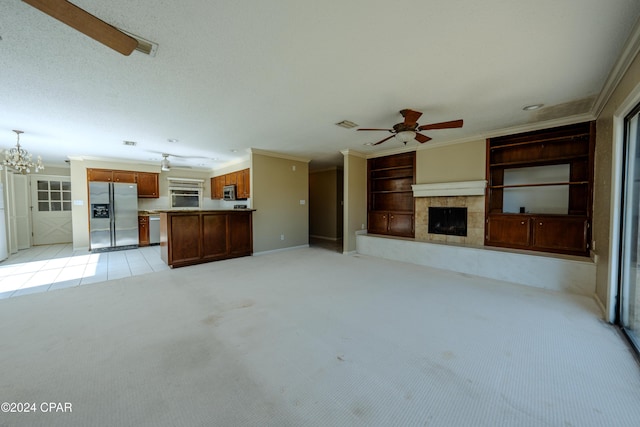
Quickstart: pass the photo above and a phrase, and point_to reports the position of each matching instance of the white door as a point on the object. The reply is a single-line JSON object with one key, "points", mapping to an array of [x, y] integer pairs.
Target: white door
{"points": [[51, 213], [22, 220]]}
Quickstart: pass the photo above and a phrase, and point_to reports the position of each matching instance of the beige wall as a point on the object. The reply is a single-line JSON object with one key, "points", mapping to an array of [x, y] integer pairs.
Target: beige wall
{"points": [[355, 198], [277, 190], [324, 204], [606, 144], [457, 162]]}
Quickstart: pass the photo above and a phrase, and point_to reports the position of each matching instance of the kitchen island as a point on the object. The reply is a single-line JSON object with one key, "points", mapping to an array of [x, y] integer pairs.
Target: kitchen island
{"points": [[196, 236]]}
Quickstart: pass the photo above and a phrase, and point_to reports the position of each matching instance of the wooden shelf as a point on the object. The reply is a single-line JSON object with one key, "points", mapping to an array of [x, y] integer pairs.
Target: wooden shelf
{"points": [[392, 177], [391, 168], [390, 191], [390, 201], [554, 160], [546, 184], [570, 145], [540, 141]]}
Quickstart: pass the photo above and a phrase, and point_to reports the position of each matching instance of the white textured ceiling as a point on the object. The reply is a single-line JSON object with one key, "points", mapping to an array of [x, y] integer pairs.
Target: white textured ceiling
{"points": [[277, 75]]}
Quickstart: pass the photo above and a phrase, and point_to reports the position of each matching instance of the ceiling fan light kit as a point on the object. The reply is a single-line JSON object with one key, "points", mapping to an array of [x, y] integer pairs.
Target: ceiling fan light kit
{"points": [[409, 129], [165, 166]]}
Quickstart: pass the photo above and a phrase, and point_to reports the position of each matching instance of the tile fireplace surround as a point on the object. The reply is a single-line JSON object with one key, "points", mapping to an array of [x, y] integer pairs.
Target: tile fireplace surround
{"points": [[467, 194]]}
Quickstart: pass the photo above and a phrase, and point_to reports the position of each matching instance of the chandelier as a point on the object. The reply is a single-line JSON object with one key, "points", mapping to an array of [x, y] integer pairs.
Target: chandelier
{"points": [[20, 159]]}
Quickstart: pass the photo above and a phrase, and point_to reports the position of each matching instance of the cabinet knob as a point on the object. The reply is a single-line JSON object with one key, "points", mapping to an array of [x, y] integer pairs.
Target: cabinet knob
{"points": [[391, 216], [522, 222], [540, 223]]}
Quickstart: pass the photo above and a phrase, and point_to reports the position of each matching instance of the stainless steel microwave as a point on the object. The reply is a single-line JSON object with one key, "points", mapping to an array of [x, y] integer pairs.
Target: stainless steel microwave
{"points": [[229, 192]]}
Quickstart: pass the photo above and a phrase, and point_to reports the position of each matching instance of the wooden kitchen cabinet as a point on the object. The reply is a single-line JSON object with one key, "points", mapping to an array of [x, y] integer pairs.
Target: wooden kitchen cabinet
{"points": [[241, 179], [128, 177], [217, 186], [148, 185], [193, 237], [214, 235], [143, 230], [243, 184], [103, 175], [240, 234]]}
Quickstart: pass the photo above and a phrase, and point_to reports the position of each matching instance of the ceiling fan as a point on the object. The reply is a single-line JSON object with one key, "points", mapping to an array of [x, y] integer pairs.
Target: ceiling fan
{"points": [[409, 128], [165, 164], [86, 23]]}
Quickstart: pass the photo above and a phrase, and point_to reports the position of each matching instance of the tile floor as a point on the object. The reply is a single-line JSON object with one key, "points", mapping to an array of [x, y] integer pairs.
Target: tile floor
{"points": [[50, 267]]}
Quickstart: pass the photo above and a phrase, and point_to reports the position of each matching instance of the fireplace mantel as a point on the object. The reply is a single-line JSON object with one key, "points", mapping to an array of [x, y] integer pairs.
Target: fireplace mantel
{"points": [[459, 188]]}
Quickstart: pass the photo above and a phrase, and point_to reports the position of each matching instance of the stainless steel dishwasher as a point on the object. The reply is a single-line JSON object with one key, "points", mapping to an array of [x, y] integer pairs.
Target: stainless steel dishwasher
{"points": [[154, 229]]}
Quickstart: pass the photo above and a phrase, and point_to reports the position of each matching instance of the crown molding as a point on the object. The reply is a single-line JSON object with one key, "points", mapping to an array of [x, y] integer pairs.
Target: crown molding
{"points": [[353, 153], [629, 53], [278, 155]]}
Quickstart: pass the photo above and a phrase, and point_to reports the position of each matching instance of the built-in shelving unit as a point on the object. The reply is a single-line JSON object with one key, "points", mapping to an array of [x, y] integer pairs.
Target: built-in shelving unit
{"points": [[390, 196], [558, 220]]}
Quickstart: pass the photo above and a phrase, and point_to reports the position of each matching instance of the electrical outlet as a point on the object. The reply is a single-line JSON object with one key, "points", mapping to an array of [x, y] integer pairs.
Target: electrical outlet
{"points": [[302, 202], [282, 237], [362, 227]]}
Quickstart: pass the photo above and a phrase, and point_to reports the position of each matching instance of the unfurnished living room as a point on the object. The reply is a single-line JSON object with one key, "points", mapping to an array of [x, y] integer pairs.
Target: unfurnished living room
{"points": [[411, 213]]}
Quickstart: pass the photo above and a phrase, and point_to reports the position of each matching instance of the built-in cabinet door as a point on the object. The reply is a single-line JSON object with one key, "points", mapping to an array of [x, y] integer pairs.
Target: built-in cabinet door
{"points": [[102, 175], [148, 185], [569, 234], [401, 224], [508, 230], [378, 222], [185, 238], [143, 230], [128, 177], [214, 235], [240, 234]]}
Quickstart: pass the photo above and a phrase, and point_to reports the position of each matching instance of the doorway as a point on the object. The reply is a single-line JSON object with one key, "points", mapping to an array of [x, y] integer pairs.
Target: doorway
{"points": [[51, 209], [628, 312]]}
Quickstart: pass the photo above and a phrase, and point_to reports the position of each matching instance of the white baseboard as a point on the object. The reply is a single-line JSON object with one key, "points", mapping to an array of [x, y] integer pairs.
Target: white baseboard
{"points": [[279, 250]]}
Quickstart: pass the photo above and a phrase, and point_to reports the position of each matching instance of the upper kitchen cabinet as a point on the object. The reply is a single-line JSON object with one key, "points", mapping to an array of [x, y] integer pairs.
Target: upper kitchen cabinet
{"points": [[240, 179], [217, 186], [147, 182], [148, 186], [243, 184]]}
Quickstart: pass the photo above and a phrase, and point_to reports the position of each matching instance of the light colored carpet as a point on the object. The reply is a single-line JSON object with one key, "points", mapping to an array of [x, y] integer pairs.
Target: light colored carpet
{"points": [[311, 337]]}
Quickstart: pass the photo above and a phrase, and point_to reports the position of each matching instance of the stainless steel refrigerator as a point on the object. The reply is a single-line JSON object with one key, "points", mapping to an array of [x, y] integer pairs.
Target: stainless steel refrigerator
{"points": [[113, 212]]}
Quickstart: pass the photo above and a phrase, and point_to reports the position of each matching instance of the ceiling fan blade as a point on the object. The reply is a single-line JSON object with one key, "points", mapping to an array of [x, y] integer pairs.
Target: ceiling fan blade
{"points": [[442, 125], [87, 24], [410, 116], [422, 138], [380, 142], [388, 130]]}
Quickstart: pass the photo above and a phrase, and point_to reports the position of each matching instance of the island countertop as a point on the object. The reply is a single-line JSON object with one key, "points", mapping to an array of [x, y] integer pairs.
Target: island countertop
{"points": [[158, 211], [195, 236]]}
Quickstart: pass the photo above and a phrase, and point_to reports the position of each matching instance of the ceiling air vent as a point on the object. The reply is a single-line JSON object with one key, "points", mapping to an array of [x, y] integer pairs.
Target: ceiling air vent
{"points": [[346, 124], [130, 143]]}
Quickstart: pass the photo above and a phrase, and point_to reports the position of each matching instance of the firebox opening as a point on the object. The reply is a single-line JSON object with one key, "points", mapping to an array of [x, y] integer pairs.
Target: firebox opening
{"points": [[451, 221]]}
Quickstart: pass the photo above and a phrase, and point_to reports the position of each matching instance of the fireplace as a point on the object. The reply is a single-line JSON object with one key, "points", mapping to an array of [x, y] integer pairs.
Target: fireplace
{"points": [[448, 220]]}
